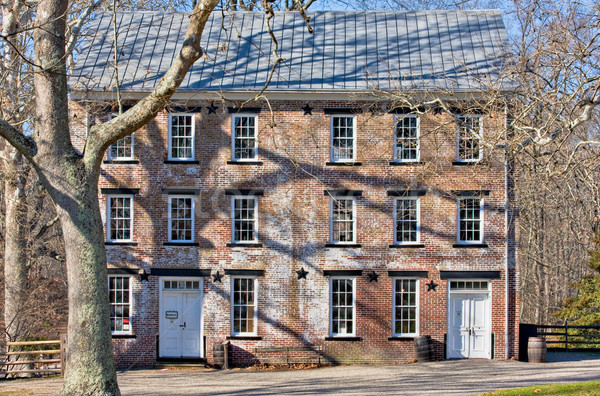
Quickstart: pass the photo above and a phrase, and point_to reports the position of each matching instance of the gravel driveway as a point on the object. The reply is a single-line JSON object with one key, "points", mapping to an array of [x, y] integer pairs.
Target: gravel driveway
{"points": [[455, 377]]}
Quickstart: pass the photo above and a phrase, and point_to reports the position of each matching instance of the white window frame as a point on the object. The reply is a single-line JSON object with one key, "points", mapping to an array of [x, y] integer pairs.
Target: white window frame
{"points": [[170, 143], [331, 280], [396, 307], [332, 156], [110, 156], [109, 217], [255, 305], [234, 137], [397, 119], [332, 200], [130, 299], [396, 220], [459, 120], [193, 207], [481, 221], [247, 197]]}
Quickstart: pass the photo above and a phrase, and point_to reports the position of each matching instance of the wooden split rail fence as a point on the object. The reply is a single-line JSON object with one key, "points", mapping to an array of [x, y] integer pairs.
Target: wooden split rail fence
{"points": [[570, 337], [33, 358]]}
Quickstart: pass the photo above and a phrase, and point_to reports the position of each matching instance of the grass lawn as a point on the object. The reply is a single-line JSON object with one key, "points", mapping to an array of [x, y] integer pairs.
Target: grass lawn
{"points": [[591, 388]]}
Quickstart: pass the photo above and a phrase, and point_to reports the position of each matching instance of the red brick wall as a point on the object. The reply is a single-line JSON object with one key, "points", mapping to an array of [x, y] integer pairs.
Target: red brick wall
{"points": [[294, 228]]}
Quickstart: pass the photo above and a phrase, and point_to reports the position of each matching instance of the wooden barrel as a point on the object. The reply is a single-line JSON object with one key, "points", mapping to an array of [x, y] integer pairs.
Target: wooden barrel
{"points": [[424, 348], [536, 350], [219, 354]]}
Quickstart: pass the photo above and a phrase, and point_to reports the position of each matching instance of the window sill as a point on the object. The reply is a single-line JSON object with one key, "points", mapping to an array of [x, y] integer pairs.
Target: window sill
{"points": [[244, 338], [180, 244], [182, 162], [121, 162], [244, 162], [343, 163], [115, 243], [343, 245], [406, 163], [402, 338], [465, 163], [343, 339], [244, 245], [124, 336], [470, 245], [407, 246]]}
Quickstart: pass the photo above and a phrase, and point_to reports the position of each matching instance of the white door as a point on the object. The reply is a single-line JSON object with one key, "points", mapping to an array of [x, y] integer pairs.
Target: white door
{"points": [[180, 323], [468, 326]]}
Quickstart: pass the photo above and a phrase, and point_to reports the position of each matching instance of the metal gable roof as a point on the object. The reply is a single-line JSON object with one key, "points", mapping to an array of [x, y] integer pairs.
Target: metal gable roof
{"points": [[348, 51]]}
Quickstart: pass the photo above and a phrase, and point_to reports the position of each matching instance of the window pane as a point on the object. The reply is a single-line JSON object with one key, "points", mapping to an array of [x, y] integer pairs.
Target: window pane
{"points": [[342, 138], [244, 305], [342, 306], [182, 137], [245, 139], [405, 306], [119, 300], [469, 135], [244, 219], [407, 139]]}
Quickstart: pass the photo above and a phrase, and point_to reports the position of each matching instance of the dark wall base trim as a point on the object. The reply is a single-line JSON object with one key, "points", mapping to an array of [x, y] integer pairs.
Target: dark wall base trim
{"points": [[244, 338], [469, 274], [408, 246], [419, 274], [246, 272], [410, 338], [180, 272], [342, 273], [470, 245], [343, 339]]}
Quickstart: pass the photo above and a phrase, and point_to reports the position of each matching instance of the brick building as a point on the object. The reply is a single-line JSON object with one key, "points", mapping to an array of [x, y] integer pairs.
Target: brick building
{"points": [[328, 215]]}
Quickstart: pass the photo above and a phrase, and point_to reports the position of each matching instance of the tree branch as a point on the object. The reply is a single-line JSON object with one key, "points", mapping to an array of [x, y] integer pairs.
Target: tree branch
{"points": [[102, 136], [76, 29], [24, 144]]}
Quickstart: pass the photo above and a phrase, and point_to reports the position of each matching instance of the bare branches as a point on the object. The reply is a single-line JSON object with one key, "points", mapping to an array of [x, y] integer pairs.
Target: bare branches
{"points": [[24, 144], [75, 29]]}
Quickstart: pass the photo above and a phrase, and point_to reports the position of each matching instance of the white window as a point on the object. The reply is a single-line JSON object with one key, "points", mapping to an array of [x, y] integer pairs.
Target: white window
{"points": [[119, 223], [470, 220], [243, 306], [468, 138], [406, 307], [122, 149], [406, 148], [342, 220], [406, 217], [244, 138], [343, 307], [181, 219], [119, 291], [244, 219], [343, 139], [181, 137]]}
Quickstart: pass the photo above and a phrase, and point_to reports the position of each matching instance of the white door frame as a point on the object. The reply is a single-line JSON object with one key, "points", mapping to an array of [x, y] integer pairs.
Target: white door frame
{"points": [[161, 280], [488, 318]]}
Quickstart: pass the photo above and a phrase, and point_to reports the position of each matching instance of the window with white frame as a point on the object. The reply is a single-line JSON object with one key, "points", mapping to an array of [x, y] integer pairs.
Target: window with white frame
{"points": [[244, 135], [119, 291], [343, 138], [244, 219], [406, 307], [243, 306], [181, 137], [119, 223], [406, 148], [342, 220], [181, 218], [406, 216], [468, 138], [122, 149], [470, 220], [343, 307]]}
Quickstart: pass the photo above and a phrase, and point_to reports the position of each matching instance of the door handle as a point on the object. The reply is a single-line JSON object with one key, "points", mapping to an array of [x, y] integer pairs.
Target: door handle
{"points": [[183, 325], [469, 331]]}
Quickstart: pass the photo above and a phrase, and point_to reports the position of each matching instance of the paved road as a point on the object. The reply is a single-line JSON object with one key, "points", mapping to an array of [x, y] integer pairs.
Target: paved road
{"points": [[463, 377]]}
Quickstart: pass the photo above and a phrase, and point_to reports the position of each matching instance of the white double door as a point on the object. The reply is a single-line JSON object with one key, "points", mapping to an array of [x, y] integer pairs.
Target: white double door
{"points": [[180, 324], [469, 326]]}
